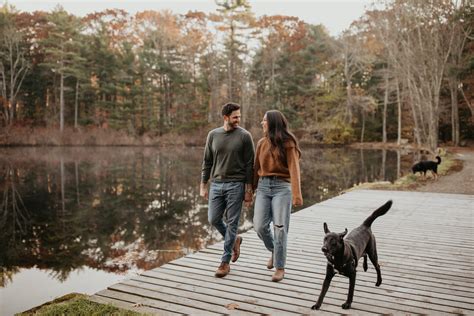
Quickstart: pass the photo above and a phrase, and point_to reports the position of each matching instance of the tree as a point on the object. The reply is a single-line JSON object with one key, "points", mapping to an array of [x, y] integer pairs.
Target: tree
{"points": [[162, 56], [62, 49], [419, 52], [235, 21], [457, 63], [356, 60], [273, 70], [292, 69], [14, 65]]}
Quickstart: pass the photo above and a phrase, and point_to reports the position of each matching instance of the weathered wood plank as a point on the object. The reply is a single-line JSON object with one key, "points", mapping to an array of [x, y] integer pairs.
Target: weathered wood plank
{"points": [[218, 299], [425, 249], [319, 275], [419, 265], [295, 296], [238, 293], [151, 296], [301, 288]]}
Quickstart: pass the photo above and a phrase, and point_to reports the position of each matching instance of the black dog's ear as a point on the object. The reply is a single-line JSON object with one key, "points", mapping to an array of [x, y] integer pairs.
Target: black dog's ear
{"points": [[343, 234], [326, 229]]}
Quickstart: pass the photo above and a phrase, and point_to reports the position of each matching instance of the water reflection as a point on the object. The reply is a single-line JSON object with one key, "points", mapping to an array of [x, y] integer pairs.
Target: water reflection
{"points": [[326, 172], [113, 209], [121, 209]]}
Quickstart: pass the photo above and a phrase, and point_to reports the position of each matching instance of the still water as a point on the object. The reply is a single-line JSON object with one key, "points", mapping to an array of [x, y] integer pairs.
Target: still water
{"points": [[82, 218]]}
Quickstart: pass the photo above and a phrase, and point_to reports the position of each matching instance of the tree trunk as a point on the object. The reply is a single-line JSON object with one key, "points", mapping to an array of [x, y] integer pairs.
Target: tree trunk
{"points": [[385, 102], [399, 104], [61, 104], [434, 125], [348, 92], [12, 109], [12, 90], [162, 107], [416, 127], [12, 105], [384, 162], [363, 127], [453, 89], [349, 103], [76, 105], [398, 163]]}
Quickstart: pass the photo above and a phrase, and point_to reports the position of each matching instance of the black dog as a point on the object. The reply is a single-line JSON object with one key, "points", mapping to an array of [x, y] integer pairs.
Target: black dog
{"points": [[343, 254], [426, 165]]}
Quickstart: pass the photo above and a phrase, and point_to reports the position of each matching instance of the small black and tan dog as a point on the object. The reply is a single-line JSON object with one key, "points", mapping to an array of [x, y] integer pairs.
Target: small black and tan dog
{"points": [[343, 254], [425, 165]]}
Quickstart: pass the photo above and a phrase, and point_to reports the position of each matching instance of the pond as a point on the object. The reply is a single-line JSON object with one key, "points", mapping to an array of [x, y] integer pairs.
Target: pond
{"points": [[79, 219]]}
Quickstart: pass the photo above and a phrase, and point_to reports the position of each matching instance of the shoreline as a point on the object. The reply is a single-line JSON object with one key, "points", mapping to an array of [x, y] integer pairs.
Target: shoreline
{"points": [[456, 176], [21, 136]]}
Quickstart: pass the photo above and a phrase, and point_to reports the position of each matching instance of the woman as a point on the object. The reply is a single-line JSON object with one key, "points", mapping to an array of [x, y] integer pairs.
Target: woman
{"points": [[277, 177]]}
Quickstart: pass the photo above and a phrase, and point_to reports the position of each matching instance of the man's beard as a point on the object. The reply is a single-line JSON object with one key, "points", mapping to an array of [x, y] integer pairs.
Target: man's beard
{"points": [[232, 125]]}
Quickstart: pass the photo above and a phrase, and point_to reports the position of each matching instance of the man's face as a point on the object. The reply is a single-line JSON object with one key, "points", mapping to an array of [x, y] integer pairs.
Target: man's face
{"points": [[233, 120]]}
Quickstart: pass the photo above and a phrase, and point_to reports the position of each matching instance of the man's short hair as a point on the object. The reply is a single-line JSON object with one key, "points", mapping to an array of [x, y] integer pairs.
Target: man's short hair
{"points": [[228, 108]]}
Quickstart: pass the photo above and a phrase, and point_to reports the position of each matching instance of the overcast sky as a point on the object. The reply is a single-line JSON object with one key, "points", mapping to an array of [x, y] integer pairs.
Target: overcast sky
{"points": [[336, 15]]}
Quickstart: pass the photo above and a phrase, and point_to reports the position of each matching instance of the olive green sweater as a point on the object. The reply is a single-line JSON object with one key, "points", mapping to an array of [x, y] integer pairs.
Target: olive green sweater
{"points": [[228, 156]]}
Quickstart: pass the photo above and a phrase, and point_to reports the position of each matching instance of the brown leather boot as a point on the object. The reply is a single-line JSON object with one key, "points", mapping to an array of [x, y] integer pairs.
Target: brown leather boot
{"points": [[223, 270], [278, 275], [236, 250], [270, 262]]}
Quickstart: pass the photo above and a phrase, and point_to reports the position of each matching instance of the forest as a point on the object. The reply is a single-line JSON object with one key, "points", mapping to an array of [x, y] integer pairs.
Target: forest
{"points": [[401, 73]]}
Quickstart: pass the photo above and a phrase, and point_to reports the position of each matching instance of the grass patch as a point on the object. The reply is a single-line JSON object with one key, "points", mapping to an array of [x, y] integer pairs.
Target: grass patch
{"points": [[77, 305], [410, 182]]}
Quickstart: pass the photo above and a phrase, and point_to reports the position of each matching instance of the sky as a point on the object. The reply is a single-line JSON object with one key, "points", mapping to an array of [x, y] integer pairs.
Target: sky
{"points": [[335, 15]]}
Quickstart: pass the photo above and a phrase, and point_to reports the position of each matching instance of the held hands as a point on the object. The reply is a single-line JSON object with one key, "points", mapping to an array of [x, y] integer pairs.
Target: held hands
{"points": [[248, 198]]}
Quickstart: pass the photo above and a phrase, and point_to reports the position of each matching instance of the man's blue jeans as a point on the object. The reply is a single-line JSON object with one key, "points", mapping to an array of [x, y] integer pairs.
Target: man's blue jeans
{"points": [[273, 204], [226, 197]]}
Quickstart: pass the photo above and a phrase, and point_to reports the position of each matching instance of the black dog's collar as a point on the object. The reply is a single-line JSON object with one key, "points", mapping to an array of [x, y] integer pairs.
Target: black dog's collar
{"points": [[353, 262]]}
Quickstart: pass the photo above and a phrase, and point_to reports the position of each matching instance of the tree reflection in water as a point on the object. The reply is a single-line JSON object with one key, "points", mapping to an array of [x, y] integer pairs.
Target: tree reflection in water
{"points": [[117, 209]]}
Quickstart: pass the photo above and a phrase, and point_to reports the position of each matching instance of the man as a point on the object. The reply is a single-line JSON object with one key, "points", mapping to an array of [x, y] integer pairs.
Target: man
{"points": [[228, 164]]}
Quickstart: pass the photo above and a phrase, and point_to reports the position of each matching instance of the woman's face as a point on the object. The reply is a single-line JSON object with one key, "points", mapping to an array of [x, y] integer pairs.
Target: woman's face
{"points": [[264, 124]]}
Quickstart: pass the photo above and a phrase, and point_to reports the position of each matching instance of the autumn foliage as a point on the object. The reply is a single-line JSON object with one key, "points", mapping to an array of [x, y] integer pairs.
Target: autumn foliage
{"points": [[401, 72]]}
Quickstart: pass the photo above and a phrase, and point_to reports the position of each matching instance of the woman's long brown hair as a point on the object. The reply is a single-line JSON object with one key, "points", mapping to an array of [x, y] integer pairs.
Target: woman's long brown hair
{"points": [[279, 134]]}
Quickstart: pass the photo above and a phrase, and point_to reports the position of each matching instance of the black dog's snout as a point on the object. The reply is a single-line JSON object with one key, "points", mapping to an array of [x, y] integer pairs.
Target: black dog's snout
{"points": [[324, 249]]}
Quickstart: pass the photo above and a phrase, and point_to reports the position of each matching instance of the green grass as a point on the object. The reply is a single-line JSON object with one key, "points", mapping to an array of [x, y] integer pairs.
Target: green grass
{"points": [[76, 305]]}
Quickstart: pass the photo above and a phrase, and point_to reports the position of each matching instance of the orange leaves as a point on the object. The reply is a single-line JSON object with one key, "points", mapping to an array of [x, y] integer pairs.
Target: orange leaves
{"points": [[279, 29]]}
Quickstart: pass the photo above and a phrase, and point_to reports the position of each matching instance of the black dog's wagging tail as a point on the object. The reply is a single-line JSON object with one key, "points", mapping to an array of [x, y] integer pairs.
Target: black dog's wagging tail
{"points": [[439, 159], [378, 212]]}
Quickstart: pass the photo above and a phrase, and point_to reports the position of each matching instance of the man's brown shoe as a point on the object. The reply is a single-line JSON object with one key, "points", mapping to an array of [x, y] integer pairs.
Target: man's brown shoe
{"points": [[270, 262], [223, 270], [278, 275], [236, 250]]}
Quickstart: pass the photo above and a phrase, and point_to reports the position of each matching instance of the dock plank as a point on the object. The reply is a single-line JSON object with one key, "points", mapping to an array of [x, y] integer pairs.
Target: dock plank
{"points": [[425, 250]]}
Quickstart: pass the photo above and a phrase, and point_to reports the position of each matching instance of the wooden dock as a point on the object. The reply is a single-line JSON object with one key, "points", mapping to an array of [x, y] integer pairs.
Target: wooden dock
{"points": [[426, 252]]}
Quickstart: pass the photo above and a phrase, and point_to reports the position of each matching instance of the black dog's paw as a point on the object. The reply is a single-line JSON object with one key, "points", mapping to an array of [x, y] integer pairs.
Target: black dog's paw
{"points": [[346, 305], [379, 281], [316, 306]]}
